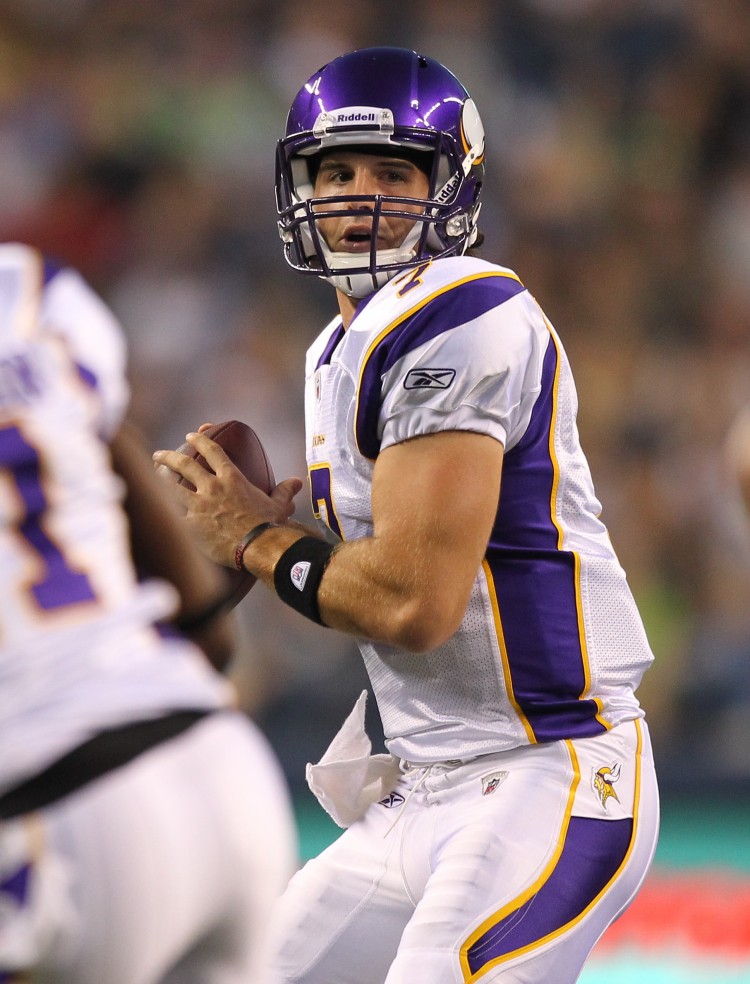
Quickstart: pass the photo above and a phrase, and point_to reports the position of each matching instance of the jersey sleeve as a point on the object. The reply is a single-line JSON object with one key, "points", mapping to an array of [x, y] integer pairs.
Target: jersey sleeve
{"points": [[470, 359], [73, 311]]}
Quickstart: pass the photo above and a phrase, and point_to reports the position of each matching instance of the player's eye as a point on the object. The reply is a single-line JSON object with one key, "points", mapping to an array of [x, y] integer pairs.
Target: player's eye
{"points": [[338, 175]]}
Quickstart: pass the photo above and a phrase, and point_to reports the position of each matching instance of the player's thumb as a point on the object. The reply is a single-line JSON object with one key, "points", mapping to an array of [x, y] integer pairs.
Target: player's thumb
{"points": [[285, 492]]}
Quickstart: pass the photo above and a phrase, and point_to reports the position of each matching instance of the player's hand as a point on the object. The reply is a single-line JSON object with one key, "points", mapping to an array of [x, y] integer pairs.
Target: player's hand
{"points": [[224, 505]]}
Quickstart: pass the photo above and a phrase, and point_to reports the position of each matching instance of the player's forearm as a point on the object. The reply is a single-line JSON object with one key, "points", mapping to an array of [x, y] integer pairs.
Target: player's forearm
{"points": [[365, 593]]}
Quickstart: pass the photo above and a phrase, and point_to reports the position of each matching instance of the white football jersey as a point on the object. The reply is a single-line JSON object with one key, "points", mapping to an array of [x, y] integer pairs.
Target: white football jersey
{"points": [[551, 645], [79, 652]]}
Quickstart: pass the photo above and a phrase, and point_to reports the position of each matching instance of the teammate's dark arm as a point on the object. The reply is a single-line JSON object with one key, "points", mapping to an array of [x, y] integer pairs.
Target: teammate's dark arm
{"points": [[163, 547]]}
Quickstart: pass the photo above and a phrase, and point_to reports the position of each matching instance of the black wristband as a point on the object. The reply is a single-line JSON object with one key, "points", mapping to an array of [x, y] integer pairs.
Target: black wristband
{"points": [[298, 573]]}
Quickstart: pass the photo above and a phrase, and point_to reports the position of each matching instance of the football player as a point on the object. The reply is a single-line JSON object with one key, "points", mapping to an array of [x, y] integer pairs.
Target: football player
{"points": [[145, 828], [516, 812]]}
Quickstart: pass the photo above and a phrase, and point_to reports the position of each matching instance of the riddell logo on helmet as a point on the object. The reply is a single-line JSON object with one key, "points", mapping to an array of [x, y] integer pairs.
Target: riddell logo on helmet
{"points": [[352, 117], [447, 190], [355, 117]]}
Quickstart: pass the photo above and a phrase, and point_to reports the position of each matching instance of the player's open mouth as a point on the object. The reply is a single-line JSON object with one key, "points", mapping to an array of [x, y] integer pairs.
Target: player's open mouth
{"points": [[356, 239]]}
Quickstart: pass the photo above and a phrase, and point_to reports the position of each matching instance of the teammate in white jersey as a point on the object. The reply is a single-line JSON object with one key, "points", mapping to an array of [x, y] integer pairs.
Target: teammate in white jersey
{"points": [[516, 812], [145, 829]]}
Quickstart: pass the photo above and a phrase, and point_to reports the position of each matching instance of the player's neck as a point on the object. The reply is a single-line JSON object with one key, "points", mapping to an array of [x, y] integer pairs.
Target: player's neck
{"points": [[347, 307]]}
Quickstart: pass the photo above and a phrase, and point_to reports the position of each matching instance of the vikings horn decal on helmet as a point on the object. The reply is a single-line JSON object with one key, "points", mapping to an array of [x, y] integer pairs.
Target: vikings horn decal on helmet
{"points": [[409, 105]]}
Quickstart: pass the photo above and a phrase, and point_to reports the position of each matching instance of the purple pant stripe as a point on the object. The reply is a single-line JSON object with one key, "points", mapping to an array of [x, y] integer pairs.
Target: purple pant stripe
{"points": [[593, 851]]}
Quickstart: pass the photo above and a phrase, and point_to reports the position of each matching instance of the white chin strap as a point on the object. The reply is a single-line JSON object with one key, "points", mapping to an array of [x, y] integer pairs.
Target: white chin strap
{"points": [[364, 283]]}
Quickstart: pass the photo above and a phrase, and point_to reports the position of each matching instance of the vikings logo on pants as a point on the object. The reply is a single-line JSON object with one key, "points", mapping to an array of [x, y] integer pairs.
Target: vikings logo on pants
{"points": [[604, 780]]}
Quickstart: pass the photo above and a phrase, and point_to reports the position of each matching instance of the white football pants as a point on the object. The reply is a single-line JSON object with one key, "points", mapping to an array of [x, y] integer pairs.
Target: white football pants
{"points": [[164, 870], [507, 868]]}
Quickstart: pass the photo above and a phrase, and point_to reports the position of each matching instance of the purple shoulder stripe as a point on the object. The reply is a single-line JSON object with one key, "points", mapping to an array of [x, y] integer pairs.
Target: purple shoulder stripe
{"points": [[524, 519], [446, 309], [535, 583]]}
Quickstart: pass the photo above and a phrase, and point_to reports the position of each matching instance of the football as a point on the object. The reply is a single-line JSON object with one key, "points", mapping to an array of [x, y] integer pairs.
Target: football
{"points": [[243, 448]]}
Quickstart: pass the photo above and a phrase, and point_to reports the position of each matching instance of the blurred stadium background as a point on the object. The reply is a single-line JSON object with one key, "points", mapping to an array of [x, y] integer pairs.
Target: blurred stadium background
{"points": [[137, 142]]}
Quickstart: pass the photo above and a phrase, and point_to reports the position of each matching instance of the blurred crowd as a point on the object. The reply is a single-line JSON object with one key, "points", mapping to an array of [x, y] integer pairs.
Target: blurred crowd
{"points": [[137, 143]]}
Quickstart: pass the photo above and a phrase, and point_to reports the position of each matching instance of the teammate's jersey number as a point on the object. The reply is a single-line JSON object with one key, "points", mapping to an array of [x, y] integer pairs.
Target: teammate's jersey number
{"points": [[60, 584], [321, 482]]}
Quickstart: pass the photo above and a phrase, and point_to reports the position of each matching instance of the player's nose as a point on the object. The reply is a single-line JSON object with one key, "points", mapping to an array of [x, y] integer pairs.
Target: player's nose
{"points": [[363, 183]]}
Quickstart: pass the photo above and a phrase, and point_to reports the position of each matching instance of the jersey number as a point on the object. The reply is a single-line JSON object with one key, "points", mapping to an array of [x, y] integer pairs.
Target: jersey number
{"points": [[322, 497], [60, 584], [413, 278]]}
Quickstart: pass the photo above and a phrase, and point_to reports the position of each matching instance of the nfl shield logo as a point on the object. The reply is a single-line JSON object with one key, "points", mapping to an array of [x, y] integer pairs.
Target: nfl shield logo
{"points": [[492, 781]]}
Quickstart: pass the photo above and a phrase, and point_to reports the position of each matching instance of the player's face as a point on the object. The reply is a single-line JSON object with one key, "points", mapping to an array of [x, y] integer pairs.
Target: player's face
{"points": [[347, 172]]}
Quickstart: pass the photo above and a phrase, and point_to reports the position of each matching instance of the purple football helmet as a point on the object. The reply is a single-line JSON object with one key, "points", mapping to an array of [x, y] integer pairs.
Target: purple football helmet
{"points": [[390, 98]]}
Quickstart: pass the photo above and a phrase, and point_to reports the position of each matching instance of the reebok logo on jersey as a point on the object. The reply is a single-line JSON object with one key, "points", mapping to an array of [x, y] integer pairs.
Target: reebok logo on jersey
{"points": [[492, 781], [299, 574], [437, 379]]}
